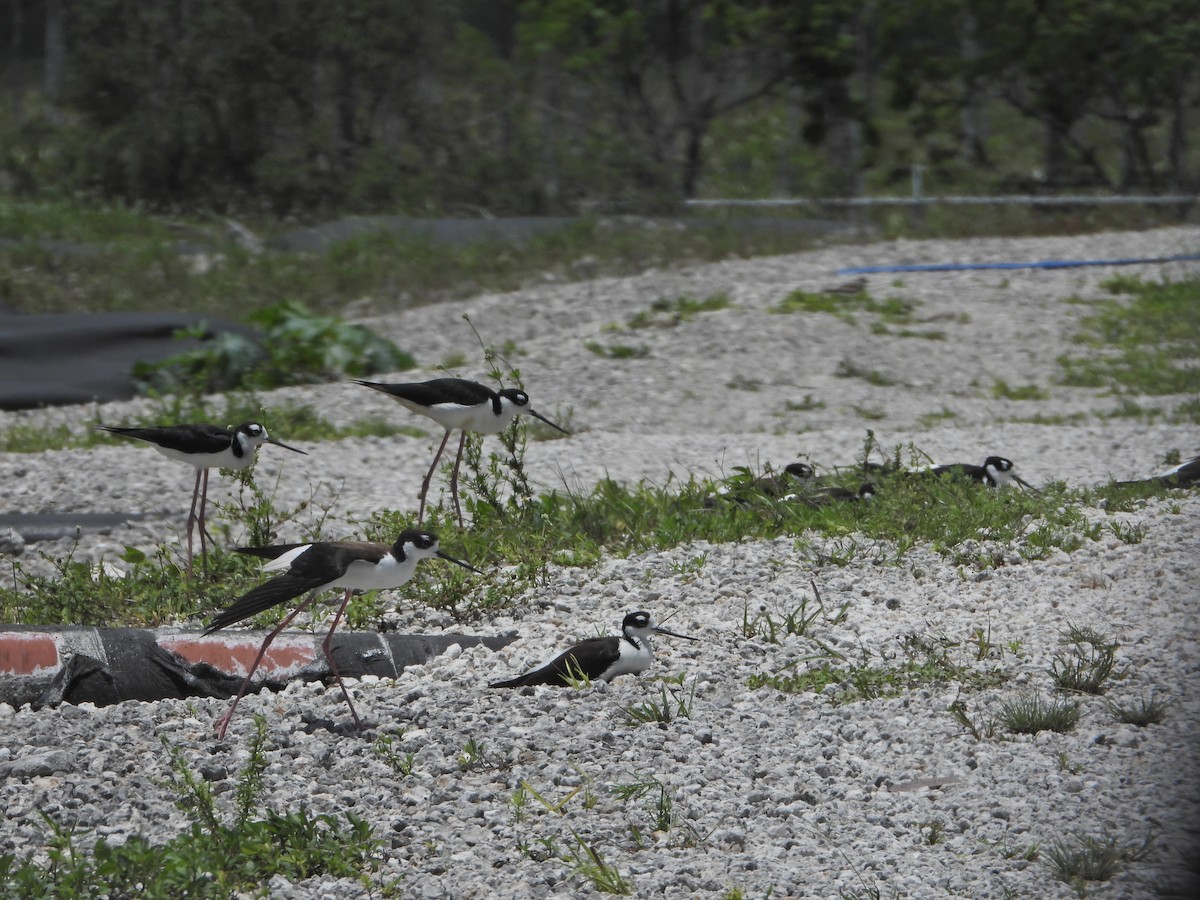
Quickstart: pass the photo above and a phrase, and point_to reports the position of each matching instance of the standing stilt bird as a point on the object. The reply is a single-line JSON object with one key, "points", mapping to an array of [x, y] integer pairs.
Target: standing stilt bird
{"points": [[318, 567], [458, 404], [600, 658], [205, 447]]}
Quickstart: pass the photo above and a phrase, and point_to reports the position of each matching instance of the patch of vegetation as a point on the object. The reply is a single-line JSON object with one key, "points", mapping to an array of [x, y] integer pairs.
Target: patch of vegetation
{"points": [[1145, 711], [929, 420], [673, 703], [892, 310], [1001, 390], [590, 865], [847, 368], [297, 347], [925, 661], [1144, 346], [616, 351], [665, 313], [213, 858], [1091, 859], [518, 533], [1086, 663], [130, 260], [1030, 713]]}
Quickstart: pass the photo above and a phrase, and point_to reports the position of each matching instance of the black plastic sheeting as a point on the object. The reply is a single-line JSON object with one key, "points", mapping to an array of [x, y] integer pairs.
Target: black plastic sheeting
{"points": [[138, 668], [56, 359]]}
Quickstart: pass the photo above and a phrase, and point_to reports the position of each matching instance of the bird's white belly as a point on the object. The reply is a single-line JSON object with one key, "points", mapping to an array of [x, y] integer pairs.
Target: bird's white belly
{"points": [[222, 460], [389, 572], [468, 418], [630, 662]]}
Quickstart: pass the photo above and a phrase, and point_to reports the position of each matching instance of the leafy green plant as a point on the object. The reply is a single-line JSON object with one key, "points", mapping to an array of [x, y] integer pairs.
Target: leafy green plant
{"points": [[672, 703], [385, 748], [296, 347], [1086, 663], [588, 863], [797, 621]]}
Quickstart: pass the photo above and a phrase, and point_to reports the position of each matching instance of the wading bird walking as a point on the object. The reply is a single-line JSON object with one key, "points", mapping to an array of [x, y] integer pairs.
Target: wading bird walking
{"points": [[318, 567], [458, 404], [205, 447]]}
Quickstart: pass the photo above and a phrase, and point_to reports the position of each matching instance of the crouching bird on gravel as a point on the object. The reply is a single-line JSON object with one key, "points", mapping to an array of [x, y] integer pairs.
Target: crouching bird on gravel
{"points": [[322, 566], [600, 658], [458, 404]]}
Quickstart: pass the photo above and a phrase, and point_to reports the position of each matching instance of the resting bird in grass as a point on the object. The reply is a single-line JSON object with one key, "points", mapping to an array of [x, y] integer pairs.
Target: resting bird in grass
{"points": [[996, 471]]}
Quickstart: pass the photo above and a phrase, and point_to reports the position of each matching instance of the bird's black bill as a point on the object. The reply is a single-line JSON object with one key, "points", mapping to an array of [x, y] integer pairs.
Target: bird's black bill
{"points": [[660, 630], [1023, 483], [459, 562], [286, 447], [538, 415]]}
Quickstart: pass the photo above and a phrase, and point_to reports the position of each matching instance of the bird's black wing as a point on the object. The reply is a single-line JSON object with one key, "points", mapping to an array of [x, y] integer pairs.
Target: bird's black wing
{"points": [[201, 438], [278, 590], [438, 390], [559, 671]]}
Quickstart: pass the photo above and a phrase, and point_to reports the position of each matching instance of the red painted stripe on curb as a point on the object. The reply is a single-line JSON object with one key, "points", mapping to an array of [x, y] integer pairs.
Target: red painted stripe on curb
{"points": [[285, 657], [30, 653]]}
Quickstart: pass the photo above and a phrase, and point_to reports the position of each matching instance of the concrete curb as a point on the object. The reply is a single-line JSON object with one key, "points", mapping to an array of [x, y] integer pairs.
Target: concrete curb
{"points": [[49, 665]]}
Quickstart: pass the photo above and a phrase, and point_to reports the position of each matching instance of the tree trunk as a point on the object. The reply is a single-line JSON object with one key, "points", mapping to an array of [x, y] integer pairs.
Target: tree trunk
{"points": [[55, 64]]}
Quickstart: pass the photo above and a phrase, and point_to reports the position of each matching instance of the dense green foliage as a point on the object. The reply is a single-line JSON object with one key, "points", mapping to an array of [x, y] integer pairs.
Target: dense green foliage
{"points": [[530, 106]]}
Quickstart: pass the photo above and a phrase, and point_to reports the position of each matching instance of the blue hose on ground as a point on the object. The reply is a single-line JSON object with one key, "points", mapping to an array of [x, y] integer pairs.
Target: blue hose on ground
{"points": [[1043, 264]]}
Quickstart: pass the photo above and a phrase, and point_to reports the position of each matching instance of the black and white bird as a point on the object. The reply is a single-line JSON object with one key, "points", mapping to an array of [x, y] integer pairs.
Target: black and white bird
{"points": [[458, 404], [996, 471], [322, 566], [775, 485], [836, 494], [205, 447], [600, 658], [1184, 474]]}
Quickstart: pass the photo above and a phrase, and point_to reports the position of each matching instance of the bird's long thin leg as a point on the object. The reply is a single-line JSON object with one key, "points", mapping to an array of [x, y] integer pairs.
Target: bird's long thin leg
{"points": [[191, 519], [224, 723], [429, 476], [203, 530], [462, 441], [326, 646]]}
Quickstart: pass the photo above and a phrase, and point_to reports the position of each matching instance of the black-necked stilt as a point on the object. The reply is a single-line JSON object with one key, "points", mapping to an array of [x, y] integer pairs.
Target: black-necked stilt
{"points": [[775, 485], [854, 286], [458, 404], [600, 658], [205, 447], [794, 476], [837, 494], [996, 471], [318, 567], [1184, 474]]}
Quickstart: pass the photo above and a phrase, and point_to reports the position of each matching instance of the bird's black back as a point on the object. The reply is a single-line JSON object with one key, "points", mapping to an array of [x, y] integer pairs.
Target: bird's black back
{"points": [[590, 657], [199, 438]]}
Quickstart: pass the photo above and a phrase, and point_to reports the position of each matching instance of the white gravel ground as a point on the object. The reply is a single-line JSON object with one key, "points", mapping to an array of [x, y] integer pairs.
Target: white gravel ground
{"points": [[775, 794]]}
